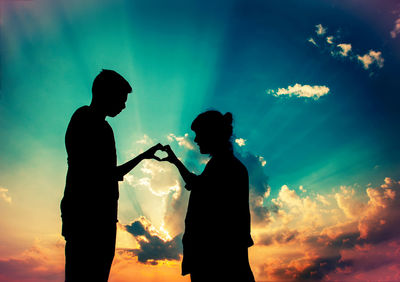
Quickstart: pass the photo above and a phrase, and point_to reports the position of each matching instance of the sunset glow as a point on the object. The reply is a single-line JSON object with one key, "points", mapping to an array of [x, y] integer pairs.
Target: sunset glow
{"points": [[313, 89]]}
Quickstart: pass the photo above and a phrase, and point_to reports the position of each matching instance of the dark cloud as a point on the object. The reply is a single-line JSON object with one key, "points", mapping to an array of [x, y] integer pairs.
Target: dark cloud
{"points": [[258, 185], [258, 180], [329, 259], [322, 266], [152, 247], [28, 268], [283, 237]]}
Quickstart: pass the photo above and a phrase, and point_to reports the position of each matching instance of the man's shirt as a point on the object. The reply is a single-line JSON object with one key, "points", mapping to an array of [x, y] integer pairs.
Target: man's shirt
{"points": [[91, 190]]}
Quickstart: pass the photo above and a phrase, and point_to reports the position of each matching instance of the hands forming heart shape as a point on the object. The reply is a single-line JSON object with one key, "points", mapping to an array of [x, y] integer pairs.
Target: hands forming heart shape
{"points": [[150, 153]]}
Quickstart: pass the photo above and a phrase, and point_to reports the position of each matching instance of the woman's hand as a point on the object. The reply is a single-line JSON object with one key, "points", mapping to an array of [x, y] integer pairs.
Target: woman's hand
{"points": [[171, 157]]}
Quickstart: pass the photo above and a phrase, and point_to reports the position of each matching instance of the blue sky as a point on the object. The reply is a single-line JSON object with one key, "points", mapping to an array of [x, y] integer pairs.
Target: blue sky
{"points": [[183, 58]]}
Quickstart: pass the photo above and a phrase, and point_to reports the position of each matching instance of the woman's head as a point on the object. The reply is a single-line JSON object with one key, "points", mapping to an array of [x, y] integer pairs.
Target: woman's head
{"points": [[213, 132]]}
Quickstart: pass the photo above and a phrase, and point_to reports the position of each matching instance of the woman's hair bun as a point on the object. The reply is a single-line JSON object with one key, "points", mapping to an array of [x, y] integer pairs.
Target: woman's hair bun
{"points": [[228, 118]]}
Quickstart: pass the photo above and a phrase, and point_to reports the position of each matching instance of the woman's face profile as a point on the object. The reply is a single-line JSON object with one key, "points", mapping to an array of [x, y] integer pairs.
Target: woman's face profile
{"points": [[204, 142]]}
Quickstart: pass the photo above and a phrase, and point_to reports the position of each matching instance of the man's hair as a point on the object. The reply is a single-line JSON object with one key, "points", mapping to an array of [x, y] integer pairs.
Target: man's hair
{"points": [[109, 82]]}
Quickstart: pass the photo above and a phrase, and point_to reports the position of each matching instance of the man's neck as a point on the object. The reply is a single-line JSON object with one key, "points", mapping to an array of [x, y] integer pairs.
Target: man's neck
{"points": [[97, 111]]}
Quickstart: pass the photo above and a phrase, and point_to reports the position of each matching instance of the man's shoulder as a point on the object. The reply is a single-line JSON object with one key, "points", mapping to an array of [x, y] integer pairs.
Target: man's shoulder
{"points": [[80, 120], [81, 113]]}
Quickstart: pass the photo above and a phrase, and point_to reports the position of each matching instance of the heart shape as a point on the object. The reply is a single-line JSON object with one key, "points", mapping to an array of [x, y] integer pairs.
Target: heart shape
{"points": [[161, 154]]}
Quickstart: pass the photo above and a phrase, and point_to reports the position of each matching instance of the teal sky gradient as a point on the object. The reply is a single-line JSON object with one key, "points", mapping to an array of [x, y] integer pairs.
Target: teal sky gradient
{"points": [[183, 58]]}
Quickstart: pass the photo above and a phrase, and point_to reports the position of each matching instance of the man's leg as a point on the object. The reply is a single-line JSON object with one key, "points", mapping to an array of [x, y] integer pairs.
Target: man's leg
{"points": [[90, 258], [107, 252], [75, 262]]}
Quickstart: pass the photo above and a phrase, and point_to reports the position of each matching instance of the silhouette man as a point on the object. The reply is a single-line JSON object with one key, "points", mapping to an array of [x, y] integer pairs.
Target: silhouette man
{"points": [[89, 205], [217, 224]]}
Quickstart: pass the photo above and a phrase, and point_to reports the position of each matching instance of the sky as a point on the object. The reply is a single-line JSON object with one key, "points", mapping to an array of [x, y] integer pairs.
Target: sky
{"points": [[313, 89]]}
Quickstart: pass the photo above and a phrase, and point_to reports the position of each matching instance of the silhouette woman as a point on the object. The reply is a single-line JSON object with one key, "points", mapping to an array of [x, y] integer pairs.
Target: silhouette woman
{"points": [[217, 224]]}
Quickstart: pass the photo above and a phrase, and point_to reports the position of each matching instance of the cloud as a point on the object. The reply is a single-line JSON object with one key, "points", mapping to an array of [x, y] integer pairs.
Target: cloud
{"points": [[312, 41], [154, 245], [240, 141], [193, 158], [320, 30], [305, 91], [259, 189], [345, 49], [34, 264], [4, 195], [127, 268], [184, 141], [263, 162], [336, 236], [369, 263], [160, 178], [284, 236], [381, 218], [373, 57], [348, 203], [145, 140], [302, 189], [396, 29], [175, 211]]}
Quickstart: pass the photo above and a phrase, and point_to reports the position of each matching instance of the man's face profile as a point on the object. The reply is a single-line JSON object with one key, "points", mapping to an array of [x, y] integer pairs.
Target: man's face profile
{"points": [[116, 104]]}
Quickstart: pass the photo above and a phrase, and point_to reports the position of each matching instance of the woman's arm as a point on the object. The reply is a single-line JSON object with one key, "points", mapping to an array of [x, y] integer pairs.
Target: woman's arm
{"points": [[187, 176]]}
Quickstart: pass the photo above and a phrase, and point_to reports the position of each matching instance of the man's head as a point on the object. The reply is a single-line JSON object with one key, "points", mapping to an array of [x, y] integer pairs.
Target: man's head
{"points": [[110, 92]]}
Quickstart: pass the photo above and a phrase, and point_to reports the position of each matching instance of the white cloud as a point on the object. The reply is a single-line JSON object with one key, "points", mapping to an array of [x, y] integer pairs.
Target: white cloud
{"points": [[160, 178], [396, 29], [241, 142], [4, 195], [145, 140], [306, 91], [372, 57], [311, 40], [301, 187], [182, 141], [320, 30], [347, 201], [262, 161], [323, 200], [326, 44], [346, 48]]}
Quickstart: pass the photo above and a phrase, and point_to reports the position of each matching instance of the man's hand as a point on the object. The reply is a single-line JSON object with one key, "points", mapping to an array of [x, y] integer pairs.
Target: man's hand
{"points": [[150, 153]]}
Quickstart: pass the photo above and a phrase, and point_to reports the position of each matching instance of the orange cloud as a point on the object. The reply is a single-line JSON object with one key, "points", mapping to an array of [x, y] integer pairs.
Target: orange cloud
{"points": [[309, 239], [381, 219], [41, 262]]}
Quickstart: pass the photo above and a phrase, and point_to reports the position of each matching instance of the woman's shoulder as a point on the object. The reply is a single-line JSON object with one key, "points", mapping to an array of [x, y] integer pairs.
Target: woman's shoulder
{"points": [[232, 163], [238, 165]]}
